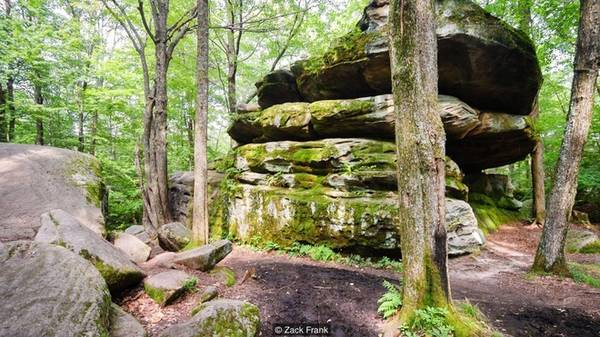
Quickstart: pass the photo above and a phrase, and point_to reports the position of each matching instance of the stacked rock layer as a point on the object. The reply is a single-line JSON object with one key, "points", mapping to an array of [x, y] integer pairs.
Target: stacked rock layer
{"points": [[317, 162]]}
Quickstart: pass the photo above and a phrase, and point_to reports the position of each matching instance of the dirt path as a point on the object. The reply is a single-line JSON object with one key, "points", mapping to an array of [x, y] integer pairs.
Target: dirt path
{"points": [[289, 290]]}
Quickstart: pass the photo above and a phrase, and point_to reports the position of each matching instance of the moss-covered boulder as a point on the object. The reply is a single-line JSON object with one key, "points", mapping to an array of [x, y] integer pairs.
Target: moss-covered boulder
{"points": [[60, 228], [174, 236], [167, 286], [338, 219], [476, 140], [37, 179], [482, 60], [47, 290], [219, 318]]}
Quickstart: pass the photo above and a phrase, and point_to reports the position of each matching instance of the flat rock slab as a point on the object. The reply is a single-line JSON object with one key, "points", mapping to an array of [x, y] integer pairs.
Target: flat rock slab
{"points": [[60, 228], [36, 179], [140, 232], [577, 239], [47, 290], [131, 245], [174, 236], [167, 286], [219, 318], [206, 257], [124, 324]]}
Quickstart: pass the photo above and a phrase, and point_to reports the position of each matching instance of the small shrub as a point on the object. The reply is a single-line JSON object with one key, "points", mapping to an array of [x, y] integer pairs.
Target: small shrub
{"points": [[190, 284], [321, 253], [270, 245], [391, 301]]}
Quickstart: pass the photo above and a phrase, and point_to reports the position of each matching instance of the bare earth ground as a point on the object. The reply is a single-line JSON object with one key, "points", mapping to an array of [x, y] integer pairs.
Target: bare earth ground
{"points": [[294, 290]]}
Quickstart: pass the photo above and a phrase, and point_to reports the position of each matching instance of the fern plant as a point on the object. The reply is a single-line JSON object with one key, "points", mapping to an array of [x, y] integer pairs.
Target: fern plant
{"points": [[429, 321], [391, 301]]}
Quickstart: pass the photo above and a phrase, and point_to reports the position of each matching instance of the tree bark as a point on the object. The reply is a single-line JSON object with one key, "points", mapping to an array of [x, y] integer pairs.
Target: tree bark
{"points": [[550, 256], [233, 49], [420, 140], [39, 122], [81, 118], [538, 185], [3, 113], [200, 222], [10, 97]]}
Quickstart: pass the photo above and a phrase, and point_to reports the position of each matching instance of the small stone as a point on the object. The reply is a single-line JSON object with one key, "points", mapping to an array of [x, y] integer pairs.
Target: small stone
{"points": [[219, 318], [208, 294], [166, 287], [123, 324], [174, 236], [206, 257], [137, 250]]}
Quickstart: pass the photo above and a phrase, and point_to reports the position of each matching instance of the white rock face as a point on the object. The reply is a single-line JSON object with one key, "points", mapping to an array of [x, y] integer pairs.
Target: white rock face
{"points": [[36, 179]]}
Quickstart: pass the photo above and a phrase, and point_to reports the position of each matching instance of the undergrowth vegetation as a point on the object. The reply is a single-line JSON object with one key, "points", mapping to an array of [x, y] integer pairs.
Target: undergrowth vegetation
{"points": [[586, 273], [325, 254]]}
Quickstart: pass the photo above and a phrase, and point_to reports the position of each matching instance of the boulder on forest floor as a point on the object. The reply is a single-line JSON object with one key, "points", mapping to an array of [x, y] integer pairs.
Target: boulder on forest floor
{"points": [[219, 318], [37, 179], [577, 239], [167, 286], [206, 257], [129, 244], [140, 232], [60, 228], [47, 290], [174, 236], [124, 325]]}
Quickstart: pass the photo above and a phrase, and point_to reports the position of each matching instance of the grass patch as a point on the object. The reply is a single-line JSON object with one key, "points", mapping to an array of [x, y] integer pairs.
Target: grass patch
{"points": [[325, 254], [591, 248], [586, 273]]}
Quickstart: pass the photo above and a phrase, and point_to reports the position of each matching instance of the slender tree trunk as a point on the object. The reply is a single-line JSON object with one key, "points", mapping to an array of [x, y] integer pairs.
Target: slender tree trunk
{"points": [[3, 113], [420, 142], [537, 183], [10, 93], [189, 128], [550, 256], [155, 130], [200, 226], [39, 122], [232, 57], [81, 119], [524, 15], [93, 133]]}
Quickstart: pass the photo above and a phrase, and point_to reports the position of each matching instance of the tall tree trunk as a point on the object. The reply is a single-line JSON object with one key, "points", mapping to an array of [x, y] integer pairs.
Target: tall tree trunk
{"points": [[81, 118], [550, 256], [200, 223], [39, 122], [93, 133], [155, 129], [3, 113], [12, 115], [524, 15], [420, 142], [189, 129]]}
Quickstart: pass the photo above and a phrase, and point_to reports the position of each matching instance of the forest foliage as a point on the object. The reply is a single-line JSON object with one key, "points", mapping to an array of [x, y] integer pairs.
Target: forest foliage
{"points": [[77, 58]]}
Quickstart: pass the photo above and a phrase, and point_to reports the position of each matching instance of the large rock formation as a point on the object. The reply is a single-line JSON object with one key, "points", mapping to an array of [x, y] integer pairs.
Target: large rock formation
{"points": [[35, 179], [47, 290], [476, 140], [482, 61]]}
